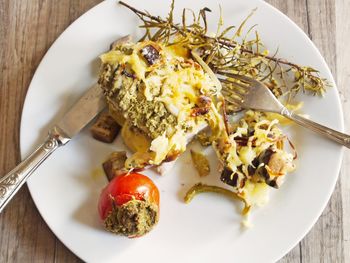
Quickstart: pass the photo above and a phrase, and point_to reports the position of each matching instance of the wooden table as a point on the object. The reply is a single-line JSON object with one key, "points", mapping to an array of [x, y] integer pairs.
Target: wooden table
{"points": [[29, 27]]}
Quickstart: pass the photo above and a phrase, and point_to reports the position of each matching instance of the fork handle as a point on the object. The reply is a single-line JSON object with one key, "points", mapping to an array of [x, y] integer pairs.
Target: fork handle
{"points": [[334, 135]]}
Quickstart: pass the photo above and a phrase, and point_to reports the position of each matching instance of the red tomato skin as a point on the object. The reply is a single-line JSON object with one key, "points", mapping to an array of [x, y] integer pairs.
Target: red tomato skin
{"points": [[124, 188]]}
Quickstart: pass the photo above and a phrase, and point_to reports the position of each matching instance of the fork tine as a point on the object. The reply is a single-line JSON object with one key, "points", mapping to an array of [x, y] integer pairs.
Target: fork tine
{"points": [[232, 92], [257, 97], [236, 100], [238, 87], [244, 78], [233, 107], [235, 104]]}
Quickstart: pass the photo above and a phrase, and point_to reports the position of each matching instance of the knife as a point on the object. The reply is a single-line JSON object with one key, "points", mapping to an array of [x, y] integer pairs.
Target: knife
{"points": [[85, 109], [82, 112]]}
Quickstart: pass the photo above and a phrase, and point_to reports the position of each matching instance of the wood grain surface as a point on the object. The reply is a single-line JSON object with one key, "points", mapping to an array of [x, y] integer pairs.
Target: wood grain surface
{"points": [[29, 27]]}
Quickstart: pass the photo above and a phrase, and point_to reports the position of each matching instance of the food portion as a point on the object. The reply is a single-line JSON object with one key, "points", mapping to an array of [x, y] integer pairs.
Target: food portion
{"points": [[129, 205], [201, 163], [163, 92], [160, 96], [203, 188], [253, 157]]}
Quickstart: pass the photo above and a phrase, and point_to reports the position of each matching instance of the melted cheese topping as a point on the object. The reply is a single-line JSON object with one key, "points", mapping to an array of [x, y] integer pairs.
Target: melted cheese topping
{"points": [[256, 194], [255, 140], [177, 82]]}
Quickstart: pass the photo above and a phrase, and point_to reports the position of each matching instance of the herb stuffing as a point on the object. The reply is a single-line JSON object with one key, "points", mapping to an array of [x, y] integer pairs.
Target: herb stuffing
{"points": [[129, 205]]}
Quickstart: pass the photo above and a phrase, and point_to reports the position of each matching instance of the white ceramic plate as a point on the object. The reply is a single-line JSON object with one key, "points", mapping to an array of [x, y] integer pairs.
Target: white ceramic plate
{"points": [[66, 187]]}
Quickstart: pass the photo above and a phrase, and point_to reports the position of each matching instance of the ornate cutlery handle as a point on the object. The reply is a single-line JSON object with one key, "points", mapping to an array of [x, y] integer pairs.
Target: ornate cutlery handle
{"points": [[334, 135], [12, 182]]}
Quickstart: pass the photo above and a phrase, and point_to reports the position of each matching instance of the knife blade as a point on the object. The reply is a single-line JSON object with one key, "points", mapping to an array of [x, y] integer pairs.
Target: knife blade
{"points": [[82, 112]]}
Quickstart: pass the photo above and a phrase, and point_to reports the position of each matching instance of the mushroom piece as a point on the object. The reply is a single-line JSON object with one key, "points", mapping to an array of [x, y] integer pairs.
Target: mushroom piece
{"points": [[276, 166], [277, 163]]}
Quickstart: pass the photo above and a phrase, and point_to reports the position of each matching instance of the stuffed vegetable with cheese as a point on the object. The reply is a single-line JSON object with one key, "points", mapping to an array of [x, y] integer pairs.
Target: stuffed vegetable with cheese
{"points": [[160, 96], [163, 96]]}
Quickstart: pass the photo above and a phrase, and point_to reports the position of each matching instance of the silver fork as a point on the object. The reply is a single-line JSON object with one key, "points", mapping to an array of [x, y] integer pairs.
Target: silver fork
{"points": [[249, 93]]}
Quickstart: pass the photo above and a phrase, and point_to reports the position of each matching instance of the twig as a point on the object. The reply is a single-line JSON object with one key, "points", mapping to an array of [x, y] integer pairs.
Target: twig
{"points": [[222, 42]]}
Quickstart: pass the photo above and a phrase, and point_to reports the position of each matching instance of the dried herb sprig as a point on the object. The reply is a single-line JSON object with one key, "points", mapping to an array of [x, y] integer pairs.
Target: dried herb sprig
{"points": [[232, 53]]}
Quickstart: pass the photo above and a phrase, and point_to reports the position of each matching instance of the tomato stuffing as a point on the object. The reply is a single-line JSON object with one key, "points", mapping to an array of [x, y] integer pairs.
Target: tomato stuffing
{"points": [[129, 205]]}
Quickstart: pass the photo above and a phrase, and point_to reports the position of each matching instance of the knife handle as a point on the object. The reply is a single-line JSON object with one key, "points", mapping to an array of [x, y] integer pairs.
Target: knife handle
{"points": [[12, 182]]}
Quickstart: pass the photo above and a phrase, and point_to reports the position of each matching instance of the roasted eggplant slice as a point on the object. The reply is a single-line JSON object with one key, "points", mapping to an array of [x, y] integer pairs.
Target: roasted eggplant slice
{"points": [[150, 54], [228, 177]]}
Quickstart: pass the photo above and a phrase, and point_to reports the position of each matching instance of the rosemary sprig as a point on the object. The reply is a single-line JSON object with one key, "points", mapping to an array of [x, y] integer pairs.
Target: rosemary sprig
{"points": [[222, 52]]}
